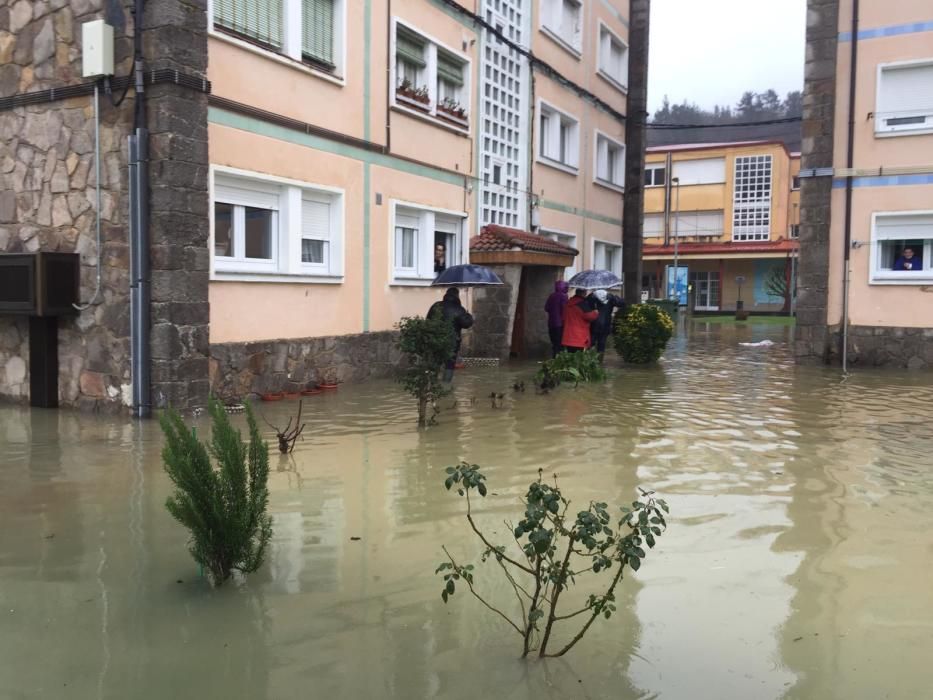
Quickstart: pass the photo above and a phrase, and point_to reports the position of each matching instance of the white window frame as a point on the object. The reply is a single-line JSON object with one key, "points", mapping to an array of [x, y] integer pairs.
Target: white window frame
{"points": [[550, 19], [423, 272], [762, 204], [653, 167], [884, 131], [430, 81], [617, 266], [557, 117], [290, 54], [617, 183], [555, 234], [606, 38], [286, 264], [877, 275]]}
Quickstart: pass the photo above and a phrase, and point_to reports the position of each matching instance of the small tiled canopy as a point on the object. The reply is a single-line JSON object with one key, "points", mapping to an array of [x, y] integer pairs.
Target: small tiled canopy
{"points": [[502, 245]]}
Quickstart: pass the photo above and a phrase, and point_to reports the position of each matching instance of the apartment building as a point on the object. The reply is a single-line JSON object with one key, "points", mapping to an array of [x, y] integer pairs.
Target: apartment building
{"points": [[866, 270], [312, 164], [727, 215]]}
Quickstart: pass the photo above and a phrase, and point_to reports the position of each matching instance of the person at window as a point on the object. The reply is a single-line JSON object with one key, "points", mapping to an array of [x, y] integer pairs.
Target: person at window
{"points": [[578, 315], [600, 329], [450, 309], [554, 306], [440, 258], [907, 261]]}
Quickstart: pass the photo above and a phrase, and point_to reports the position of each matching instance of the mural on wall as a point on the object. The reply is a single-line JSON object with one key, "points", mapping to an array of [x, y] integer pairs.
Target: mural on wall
{"points": [[766, 270]]}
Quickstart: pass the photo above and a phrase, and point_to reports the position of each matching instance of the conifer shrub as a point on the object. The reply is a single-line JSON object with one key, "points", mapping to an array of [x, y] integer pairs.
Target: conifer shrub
{"points": [[641, 333], [223, 506]]}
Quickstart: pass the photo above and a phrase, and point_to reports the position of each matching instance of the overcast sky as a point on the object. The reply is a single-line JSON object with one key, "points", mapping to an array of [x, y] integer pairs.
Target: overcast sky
{"points": [[711, 51]]}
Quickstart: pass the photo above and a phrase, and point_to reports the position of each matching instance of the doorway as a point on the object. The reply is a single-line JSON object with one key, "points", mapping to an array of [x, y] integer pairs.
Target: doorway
{"points": [[706, 287]]}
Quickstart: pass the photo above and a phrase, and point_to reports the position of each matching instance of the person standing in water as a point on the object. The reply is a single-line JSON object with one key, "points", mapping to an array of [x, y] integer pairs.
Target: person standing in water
{"points": [[605, 303], [578, 314], [450, 309], [554, 306]]}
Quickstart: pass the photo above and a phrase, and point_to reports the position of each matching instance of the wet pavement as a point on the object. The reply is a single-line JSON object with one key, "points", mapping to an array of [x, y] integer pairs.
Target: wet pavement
{"points": [[797, 564]]}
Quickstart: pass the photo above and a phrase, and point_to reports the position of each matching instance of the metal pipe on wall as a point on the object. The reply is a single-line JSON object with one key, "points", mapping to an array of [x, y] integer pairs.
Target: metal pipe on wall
{"points": [[850, 157]]}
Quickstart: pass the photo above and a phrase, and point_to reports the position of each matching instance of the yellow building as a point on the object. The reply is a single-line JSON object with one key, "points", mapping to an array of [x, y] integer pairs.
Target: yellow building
{"points": [[729, 214]]}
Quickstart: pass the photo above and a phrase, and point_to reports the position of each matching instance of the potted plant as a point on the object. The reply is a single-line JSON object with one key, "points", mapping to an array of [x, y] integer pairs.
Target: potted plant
{"points": [[410, 94], [453, 111]]}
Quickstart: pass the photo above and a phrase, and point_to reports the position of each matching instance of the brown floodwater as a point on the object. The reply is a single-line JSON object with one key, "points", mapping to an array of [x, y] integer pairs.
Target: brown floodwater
{"points": [[797, 563]]}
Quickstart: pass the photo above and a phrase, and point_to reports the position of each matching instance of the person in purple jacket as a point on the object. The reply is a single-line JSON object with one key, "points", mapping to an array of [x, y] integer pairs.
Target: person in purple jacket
{"points": [[555, 315]]}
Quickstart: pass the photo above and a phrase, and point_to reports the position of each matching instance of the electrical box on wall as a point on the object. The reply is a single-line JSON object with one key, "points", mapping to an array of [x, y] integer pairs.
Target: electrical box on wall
{"points": [[96, 49]]}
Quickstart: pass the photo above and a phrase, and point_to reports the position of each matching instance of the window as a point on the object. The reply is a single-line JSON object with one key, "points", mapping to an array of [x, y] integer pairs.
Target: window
{"points": [[795, 182], [429, 78], [794, 231], [558, 137], [706, 290], [902, 248], [567, 239], [613, 57], [691, 224], [655, 175], [751, 211], [701, 171], [425, 243], [305, 30], [904, 102], [653, 226], [607, 256], [561, 20], [267, 226], [610, 161]]}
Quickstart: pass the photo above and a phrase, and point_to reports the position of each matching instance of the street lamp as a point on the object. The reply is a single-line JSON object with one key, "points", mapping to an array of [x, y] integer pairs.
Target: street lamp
{"points": [[676, 181]]}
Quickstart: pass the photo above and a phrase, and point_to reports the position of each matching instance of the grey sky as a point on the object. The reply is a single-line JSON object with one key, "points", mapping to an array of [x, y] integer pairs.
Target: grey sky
{"points": [[711, 51]]}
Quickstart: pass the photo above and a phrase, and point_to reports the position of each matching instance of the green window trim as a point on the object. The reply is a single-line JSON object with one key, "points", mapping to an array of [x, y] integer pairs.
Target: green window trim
{"points": [[259, 20], [409, 46], [449, 68], [317, 31]]}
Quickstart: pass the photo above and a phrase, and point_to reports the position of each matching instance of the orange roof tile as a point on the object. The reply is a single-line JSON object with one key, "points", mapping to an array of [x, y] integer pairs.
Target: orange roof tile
{"points": [[493, 238]]}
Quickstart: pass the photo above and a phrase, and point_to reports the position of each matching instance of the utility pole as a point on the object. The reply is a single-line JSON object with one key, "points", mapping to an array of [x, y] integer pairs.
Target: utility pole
{"points": [[635, 141]]}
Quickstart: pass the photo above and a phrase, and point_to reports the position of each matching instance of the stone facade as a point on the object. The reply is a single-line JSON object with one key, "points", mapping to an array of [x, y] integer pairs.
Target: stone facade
{"points": [[494, 311], [811, 337], [47, 196], [871, 346], [240, 369]]}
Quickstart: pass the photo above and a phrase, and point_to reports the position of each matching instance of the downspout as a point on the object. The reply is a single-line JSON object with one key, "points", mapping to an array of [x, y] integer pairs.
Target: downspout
{"points": [[668, 168], [850, 151], [389, 88]]}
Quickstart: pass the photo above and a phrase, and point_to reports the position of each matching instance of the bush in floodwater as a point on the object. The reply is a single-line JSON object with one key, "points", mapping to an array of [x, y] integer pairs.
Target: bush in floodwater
{"points": [[224, 508], [641, 333], [573, 367], [427, 343], [554, 550]]}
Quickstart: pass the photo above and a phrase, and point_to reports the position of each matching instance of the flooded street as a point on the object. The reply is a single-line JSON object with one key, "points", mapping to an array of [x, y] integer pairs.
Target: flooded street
{"points": [[797, 563]]}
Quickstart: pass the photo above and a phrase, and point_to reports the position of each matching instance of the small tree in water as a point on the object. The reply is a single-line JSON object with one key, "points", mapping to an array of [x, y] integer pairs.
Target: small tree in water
{"points": [[554, 550], [224, 508], [427, 343]]}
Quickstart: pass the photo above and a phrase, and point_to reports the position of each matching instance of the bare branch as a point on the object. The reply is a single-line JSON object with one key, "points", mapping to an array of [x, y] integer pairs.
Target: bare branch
{"points": [[480, 598]]}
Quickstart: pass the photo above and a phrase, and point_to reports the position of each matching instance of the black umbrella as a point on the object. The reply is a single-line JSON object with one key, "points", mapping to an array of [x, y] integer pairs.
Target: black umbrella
{"points": [[467, 276], [594, 279]]}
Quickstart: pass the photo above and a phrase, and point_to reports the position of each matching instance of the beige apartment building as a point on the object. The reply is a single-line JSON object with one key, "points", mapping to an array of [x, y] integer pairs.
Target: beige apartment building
{"points": [[727, 215], [866, 282]]}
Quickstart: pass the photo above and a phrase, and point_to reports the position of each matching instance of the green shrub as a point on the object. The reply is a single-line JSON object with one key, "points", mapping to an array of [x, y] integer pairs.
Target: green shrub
{"points": [[573, 367], [641, 333], [427, 343], [224, 508]]}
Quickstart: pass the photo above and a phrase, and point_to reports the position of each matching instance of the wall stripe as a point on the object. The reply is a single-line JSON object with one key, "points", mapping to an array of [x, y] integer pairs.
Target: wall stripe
{"points": [[615, 11], [222, 117], [891, 30], [367, 71], [884, 181], [367, 218], [367, 117], [567, 209]]}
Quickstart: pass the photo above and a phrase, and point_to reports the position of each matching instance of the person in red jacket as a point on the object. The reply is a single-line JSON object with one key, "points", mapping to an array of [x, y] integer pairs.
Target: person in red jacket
{"points": [[577, 317]]}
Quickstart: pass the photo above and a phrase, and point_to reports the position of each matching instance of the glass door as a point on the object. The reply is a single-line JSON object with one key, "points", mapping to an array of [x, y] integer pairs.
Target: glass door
{"points": [[706, 288]]}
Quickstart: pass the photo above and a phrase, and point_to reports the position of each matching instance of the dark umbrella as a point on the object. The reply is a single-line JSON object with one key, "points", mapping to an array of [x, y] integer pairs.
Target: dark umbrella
{"points": [[467, 276], [595, 279]]}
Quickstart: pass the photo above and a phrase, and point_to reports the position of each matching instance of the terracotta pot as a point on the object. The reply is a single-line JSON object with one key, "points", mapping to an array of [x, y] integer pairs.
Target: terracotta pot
{"points": [[274, 396], [327, 387]]}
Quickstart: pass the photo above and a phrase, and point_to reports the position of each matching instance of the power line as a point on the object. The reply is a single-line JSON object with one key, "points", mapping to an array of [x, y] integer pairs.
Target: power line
{"points": [[766, 122]]}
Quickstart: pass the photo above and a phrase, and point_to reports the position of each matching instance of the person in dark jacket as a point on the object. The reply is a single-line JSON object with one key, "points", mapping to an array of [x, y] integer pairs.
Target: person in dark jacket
{"points": [[554, 306], [605, 303], [450, 309], [908, 261], [578, 314]]}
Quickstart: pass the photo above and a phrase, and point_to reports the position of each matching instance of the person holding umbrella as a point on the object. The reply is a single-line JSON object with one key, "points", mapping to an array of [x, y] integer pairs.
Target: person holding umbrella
{"points": [[451, 310], [578, 314], [604, 303], [554, 306]]}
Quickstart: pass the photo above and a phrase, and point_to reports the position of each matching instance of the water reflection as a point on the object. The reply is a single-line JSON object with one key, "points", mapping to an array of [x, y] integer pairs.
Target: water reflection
{"points": [[795, 565]]}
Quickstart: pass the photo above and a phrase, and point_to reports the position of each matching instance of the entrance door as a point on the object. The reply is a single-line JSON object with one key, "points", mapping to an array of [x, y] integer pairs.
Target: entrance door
{"points": [[517, 348], [706, 288]]}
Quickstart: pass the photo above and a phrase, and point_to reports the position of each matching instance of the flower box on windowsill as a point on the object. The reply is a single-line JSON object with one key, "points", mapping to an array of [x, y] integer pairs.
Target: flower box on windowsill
{"points": [[452, 117], [410, 100]]}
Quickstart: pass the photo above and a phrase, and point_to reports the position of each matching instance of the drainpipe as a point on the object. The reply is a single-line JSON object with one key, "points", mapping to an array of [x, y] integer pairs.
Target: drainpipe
{"points": [[138, 162], [668, 169], [850, 150], [389, 86]]}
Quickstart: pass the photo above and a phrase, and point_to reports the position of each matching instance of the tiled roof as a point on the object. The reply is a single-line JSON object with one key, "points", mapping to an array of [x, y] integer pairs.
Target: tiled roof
{"points": [[494, 238], [783, 245]]}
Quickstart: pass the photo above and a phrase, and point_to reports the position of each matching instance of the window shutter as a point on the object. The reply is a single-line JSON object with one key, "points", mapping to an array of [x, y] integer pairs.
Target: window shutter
{"points": [[449, 69], [409, 46], [315, 220], [257, 19], [317, 31], [906, 91]]}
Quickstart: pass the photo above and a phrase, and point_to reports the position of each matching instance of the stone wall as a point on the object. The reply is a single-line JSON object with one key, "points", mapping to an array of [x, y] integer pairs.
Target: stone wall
{"points": [[908, 348], [240, 369], [811, 338], [539, 283], [47, 192], [47, 196], [494, 313]]}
